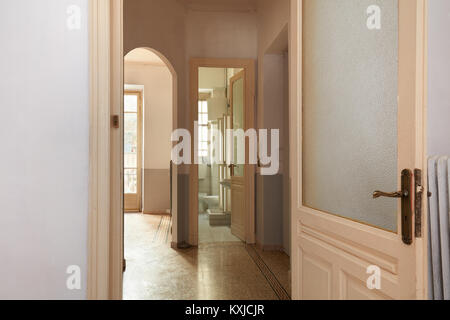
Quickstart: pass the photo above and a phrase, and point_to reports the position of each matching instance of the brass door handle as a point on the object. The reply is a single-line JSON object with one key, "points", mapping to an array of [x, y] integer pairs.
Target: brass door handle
{"points": [[398, 194], [406, 199]]}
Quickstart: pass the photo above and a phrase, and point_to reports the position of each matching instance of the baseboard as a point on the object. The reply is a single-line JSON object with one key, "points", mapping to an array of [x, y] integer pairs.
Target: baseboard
{"points": [[269, 247], [157, 213]]}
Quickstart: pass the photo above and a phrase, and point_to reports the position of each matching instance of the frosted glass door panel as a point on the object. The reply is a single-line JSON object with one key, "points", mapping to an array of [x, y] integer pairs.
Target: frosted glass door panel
{"points": [[350, 108]]}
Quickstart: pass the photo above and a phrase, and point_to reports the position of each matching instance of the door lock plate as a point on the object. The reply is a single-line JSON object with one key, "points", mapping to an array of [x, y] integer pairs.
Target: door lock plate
{"points": [[419, 190], [407, 211]]}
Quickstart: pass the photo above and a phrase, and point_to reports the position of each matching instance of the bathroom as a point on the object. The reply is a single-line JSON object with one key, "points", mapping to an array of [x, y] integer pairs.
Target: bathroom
{"points": [[214, 118]]}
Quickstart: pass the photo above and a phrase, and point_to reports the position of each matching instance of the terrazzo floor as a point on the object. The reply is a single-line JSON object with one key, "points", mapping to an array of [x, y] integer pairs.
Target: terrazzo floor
{"points": [[224, 270]]}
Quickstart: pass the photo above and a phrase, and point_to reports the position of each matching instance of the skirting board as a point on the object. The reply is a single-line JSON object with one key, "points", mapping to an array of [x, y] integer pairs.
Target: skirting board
{"points": [[270, 247], [158, 213]]}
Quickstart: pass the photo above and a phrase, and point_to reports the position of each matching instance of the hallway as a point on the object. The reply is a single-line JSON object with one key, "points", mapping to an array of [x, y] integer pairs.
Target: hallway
{"points": [[214, 271]]}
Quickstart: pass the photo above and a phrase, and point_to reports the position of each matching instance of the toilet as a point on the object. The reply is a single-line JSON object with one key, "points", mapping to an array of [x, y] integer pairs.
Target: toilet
{"points": [[206, 202]]}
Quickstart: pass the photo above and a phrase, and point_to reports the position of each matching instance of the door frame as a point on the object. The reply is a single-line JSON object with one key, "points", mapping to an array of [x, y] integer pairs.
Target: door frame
{"points": [[249, 65], [296, 134]]}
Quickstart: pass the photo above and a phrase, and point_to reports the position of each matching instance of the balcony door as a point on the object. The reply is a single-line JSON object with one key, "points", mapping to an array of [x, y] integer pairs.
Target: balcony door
{"points": [[133, 151]]}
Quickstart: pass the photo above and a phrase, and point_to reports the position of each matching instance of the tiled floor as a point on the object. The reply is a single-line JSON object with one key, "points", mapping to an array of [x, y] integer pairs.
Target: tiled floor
{"points": [[214, 271], [209, 234]]}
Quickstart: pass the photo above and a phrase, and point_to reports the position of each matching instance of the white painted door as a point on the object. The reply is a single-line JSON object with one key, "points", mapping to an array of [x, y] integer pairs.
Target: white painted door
{"points": [[357, 92], [238, 216]]}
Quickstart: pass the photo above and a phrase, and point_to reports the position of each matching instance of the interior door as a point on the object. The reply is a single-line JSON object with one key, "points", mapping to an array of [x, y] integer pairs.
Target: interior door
{"points": [[360, 68], [132, 151], [237, 97]]}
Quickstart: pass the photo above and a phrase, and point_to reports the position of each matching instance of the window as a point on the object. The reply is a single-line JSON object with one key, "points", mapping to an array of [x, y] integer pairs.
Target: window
{"points": [[203, 128], [131, 142]]}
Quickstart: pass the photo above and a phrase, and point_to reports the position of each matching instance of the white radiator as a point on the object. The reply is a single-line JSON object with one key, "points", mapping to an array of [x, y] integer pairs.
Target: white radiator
{"points": [[439, 228]]}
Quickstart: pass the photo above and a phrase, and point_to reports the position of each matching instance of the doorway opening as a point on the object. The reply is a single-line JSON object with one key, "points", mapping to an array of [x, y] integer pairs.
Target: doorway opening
{"points": [[222, 190], [149, 104], [220, 107]]}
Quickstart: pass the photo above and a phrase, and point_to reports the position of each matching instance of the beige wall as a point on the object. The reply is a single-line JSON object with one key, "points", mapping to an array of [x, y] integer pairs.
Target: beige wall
{"points": [[157, 116], [221, 35], [273, 17], [157, 113], [273, 210], [160, 25]]}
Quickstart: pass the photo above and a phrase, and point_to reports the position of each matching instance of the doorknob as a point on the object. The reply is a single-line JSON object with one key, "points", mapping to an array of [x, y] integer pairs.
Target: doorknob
{"points": [[398, 194], [407, 210], [232, 166]]}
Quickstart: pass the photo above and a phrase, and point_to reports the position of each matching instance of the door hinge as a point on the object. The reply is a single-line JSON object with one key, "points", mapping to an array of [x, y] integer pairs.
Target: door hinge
{"points": [[419, 190], [124, 265], [115, 121]]}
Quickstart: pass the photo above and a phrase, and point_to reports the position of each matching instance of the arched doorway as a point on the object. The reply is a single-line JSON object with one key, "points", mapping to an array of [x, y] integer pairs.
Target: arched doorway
{"points": [[150, 184]]}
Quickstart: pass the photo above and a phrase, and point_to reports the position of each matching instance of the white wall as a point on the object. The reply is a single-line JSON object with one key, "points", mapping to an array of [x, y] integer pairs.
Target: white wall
{"points": [[157, 113], [44, 160], [439, 78]]}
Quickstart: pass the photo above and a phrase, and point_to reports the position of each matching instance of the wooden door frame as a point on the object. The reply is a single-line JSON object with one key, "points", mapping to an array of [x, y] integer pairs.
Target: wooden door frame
{"points": [[250, 170], [296, 134], [105, 243]]}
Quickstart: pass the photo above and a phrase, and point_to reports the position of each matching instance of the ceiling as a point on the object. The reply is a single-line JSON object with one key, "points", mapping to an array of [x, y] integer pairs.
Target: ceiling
{"points": [[220, 5], [144, 56]]}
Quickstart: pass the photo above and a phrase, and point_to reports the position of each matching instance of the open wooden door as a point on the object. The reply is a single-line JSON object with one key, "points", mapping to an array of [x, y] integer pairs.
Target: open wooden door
{"points": [[238, 197], [357, 110]]}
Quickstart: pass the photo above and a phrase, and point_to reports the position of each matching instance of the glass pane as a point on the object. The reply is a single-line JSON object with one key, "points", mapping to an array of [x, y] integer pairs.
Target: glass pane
{"points": [[131, 134], [131, 103], [130, 160], [350, 91], [130, 181], [203, 119], [203, 107], [238, 121]]}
